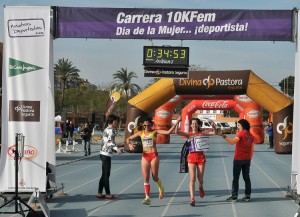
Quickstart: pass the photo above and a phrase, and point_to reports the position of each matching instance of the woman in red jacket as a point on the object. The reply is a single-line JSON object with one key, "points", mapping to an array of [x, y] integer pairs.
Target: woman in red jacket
{"points": [[244, 148]]}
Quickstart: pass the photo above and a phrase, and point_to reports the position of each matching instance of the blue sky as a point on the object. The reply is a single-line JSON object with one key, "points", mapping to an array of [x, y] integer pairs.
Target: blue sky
{"points": [[98, 59]]}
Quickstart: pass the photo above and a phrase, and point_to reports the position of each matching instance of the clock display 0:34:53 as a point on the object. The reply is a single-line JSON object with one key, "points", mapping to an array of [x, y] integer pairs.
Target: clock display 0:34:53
{"points": [[160, 53]]}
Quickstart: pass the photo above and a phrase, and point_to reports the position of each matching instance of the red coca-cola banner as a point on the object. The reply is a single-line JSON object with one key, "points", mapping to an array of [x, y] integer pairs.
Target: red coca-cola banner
{"points": [[217, 104]]}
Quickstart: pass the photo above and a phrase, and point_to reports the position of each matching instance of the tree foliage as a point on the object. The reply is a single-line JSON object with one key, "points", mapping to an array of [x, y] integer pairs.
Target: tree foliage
{"points": [[123, 83], [64, 72], [287, 85]]}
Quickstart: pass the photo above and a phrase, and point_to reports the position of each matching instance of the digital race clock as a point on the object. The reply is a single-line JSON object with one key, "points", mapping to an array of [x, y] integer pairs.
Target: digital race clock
{"points": [[156, 56]]}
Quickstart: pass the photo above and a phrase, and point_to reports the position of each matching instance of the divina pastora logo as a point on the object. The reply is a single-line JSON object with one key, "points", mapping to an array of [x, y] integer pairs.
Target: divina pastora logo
{"points": [[17, 67]]}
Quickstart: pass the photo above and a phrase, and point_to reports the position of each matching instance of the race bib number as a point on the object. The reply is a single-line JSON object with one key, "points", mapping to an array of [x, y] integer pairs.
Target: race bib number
{"points": [[199, 143], [147, 142]]}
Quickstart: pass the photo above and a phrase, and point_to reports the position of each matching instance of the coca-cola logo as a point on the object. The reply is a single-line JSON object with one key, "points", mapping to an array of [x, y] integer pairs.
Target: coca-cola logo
{"points": [[243, 98], [221, 104], [253, 113], [29, 153], [163, 114], [191, 108]]}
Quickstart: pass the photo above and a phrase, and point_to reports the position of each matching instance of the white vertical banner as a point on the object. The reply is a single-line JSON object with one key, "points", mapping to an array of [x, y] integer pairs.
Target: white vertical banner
{"points": [[295, 177], [25, 96], [50, 130]]}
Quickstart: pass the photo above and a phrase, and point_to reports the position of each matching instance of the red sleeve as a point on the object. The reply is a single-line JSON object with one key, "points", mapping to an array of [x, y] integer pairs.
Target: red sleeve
{"points": [[239, 135]]}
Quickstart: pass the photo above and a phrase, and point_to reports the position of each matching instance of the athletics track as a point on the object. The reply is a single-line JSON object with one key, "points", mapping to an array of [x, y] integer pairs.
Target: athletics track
{"points": [[270, 175]]}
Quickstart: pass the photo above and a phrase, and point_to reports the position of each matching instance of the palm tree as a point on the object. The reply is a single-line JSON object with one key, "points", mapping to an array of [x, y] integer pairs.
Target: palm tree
{"points": [[65, 72], [122, 83]]}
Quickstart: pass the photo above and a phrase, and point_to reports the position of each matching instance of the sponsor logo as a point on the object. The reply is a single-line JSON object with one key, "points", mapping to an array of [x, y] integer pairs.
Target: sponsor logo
{"points": [[285, 128], [132, 125], [166, 73], [211, 117], [238, 106], [209, 82], [29, 153], [191, 108], [285, 143], [243, 98], [253, 113], [163, 114], [115, 96], [26, 28], [222, 104], [24, 110], [17, 67]]}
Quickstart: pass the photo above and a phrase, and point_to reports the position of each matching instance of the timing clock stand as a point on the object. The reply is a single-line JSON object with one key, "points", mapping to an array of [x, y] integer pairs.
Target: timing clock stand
{"points": [[166, 61]]}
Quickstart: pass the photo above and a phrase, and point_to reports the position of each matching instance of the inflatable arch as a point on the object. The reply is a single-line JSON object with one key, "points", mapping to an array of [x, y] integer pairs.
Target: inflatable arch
{"points": [[163, 114], [254, 114], [218, 83]]}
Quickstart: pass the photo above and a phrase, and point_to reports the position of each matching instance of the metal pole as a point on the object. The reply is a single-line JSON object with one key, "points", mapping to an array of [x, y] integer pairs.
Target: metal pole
{"points": [[16, 173]]}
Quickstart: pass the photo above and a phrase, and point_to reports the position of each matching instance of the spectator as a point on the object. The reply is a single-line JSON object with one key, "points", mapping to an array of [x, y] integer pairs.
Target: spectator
{"points": [[67, 128], [269, 131], [244, 148], [106, 153], [86, 137], [71, 130]]}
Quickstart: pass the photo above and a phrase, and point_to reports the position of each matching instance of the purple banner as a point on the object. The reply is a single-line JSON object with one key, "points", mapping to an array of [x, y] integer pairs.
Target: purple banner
{"points": [[174, 24]]}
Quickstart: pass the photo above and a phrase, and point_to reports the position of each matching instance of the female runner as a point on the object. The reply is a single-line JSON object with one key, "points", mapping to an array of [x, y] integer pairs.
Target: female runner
{"points": [[150, 158], [196, 158]]}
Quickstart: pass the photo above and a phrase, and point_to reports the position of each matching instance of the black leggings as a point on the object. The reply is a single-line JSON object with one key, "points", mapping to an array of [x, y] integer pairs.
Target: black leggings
{"points": [[104, 180]]}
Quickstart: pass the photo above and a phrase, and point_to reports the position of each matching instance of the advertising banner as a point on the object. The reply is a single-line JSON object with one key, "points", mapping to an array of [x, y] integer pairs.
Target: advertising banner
{"points": [[213, 82], [175, 24], [283, 130], [25, 96], [166, 73], [113, 99]]}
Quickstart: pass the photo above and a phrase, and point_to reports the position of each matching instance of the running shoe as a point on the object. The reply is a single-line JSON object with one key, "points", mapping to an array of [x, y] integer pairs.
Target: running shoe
{"points": [[161, 193], [246, 198], [232, 198], [201, 192], [147, 201], [193, 202], [110, 197], [101, 196]]}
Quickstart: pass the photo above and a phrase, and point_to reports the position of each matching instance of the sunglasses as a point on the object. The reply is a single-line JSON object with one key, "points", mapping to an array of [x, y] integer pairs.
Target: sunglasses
{"points": [[147, 125]]}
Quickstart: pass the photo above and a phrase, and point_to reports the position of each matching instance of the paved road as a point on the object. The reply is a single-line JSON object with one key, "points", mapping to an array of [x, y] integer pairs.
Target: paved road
{"points": [[270, 174]]}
